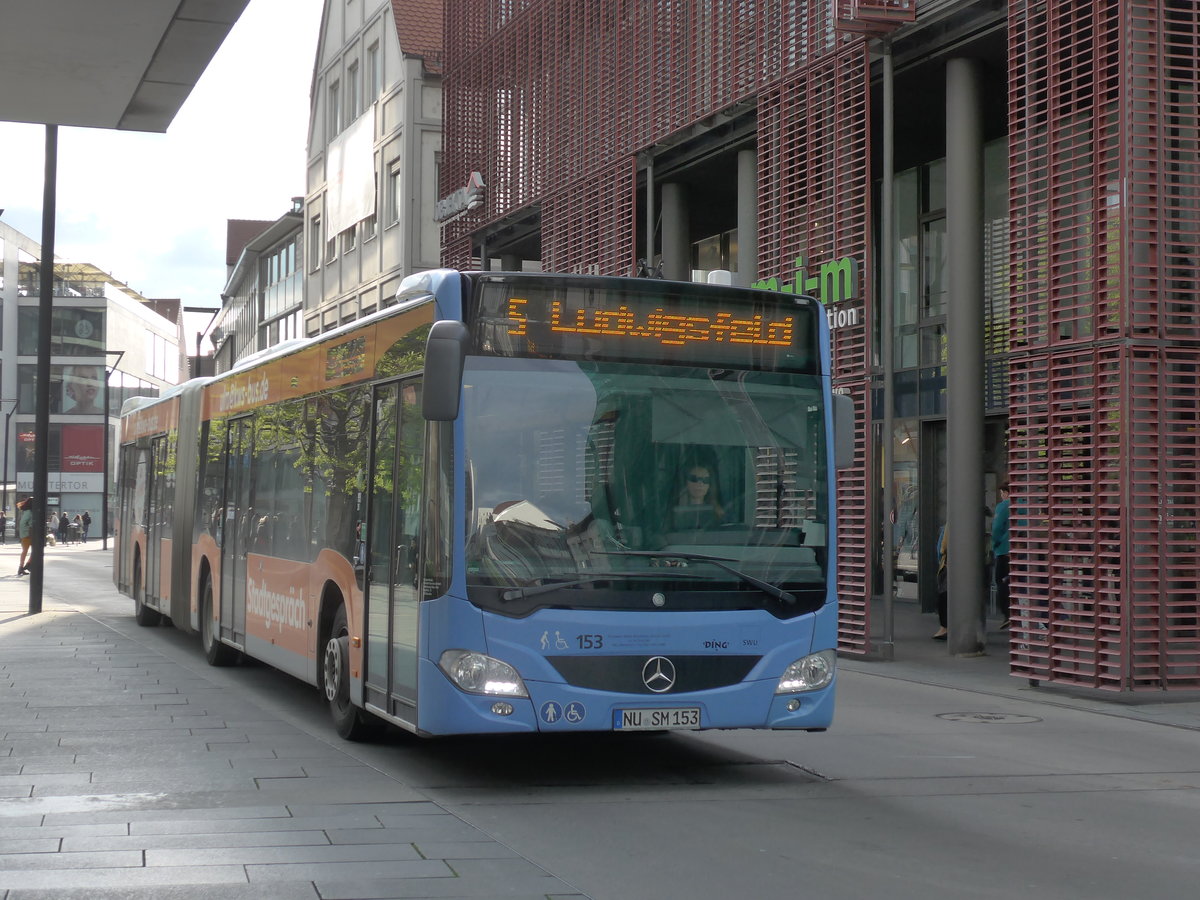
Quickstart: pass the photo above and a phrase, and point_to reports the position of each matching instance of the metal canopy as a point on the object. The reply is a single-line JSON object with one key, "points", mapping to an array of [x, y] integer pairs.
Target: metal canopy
{"points": [[122, 64]]}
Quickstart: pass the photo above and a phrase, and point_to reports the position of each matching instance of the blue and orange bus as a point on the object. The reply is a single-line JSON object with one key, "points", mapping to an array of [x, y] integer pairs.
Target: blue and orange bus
{"points": [[510, 502]]}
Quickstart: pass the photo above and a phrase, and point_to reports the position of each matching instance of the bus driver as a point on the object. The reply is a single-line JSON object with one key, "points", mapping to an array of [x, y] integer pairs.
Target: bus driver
{"points": [[698, 504]]}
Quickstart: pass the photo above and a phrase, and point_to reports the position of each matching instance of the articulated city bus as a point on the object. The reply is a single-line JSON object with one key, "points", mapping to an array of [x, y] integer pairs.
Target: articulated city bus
{"points": [[510, 503]]}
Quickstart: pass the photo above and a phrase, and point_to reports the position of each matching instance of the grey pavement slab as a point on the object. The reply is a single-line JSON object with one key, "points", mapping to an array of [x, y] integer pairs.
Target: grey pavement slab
{"points": [[157, 841], [208, 891], [293, 853], [412, 868], [123, 878], [124, 774], [132, 775]]}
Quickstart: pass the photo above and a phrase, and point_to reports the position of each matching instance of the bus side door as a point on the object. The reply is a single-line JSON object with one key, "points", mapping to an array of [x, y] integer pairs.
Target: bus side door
{"points": [[237, 527]]}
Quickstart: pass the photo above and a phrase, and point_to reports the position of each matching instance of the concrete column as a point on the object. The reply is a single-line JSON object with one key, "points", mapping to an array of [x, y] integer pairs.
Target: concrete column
{"points": [[651, 215], [964, 327], [676, 239], [747, 218]]}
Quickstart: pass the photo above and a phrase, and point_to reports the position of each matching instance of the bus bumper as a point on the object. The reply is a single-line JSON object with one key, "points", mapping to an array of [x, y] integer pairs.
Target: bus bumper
{"points": [[555, 707]]}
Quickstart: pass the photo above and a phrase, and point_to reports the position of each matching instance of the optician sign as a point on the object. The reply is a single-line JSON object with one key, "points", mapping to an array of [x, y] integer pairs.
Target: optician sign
{"points": [[833, 283]]}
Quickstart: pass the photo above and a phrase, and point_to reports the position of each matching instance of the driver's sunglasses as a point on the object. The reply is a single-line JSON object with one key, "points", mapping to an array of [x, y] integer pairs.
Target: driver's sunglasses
{"points": [[699, 479]]}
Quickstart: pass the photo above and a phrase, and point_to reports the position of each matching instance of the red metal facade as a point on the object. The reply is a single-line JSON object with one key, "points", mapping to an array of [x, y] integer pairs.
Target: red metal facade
{"points": [[814, 205], [552, 100], [1104, 423]]}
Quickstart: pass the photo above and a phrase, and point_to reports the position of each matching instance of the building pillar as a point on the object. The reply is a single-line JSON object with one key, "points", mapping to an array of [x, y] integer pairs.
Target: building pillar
{"points": [[676, 240], [965, 521], [747, 218]]}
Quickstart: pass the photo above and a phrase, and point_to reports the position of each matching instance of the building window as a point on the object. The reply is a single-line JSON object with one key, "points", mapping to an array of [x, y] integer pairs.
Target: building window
{"points": [[353, 95], [314, 241], [370, 225], [374, 72], [392, 198], [335, 109], [73, 331], [281, 280], [348, 237]]}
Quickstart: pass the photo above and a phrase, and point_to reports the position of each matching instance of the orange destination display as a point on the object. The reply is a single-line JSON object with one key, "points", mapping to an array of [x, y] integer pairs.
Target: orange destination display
{"points": [[709, 325]]}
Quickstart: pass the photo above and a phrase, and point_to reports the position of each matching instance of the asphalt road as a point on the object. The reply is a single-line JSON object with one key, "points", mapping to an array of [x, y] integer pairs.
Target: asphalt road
{"points": [[920, 790]]}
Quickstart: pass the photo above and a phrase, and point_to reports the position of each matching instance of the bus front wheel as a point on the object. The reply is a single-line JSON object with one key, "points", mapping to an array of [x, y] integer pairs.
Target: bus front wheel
{"points": [[351, 723], [215, 652]]}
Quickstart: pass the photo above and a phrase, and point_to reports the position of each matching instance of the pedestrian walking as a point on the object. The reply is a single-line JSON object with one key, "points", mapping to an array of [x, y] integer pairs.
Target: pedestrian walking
{"points": [[25, 532], [87, 523], [1000, 546], [3, 526]]}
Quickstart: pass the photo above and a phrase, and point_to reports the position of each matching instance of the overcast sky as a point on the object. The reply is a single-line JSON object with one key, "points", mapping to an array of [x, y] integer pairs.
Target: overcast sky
{"points": [[151, 209]]}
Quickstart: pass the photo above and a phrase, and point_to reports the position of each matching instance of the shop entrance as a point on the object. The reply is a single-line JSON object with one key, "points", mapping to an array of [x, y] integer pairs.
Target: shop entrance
{"points": [[920, 480]]}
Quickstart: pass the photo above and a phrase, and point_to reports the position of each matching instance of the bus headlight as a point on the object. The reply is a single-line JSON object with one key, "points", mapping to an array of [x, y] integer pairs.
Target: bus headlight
{"points": [[476, 673], [809, 674]]}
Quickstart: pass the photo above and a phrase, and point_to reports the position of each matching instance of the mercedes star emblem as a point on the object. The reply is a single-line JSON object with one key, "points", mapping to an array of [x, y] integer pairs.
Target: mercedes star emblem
{"points": [[659, 674]]}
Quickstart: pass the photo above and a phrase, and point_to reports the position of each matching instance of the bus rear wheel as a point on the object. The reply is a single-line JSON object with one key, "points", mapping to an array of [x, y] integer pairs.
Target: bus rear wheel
{"points": [[351, 723], [142, 614], [215, 652]]}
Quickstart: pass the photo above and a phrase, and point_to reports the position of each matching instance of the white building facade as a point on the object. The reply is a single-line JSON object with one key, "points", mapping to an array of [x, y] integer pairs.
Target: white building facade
{"points": [[373, 156], [107, 345]]}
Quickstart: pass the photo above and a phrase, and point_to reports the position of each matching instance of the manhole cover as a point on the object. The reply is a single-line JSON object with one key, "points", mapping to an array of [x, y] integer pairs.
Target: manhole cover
{"points": [[989, 718]]}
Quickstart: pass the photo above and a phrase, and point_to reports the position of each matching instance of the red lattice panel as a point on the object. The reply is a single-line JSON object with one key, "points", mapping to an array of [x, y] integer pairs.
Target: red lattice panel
{"points": [[814, 203], [1105, 468], [1164, 531], [1065, 464], [853, 505], [540, 95], [1065, 171], [589, 226], [552, 100], [814, 181], [874, 17], [1163, 168], [1105, 169]]}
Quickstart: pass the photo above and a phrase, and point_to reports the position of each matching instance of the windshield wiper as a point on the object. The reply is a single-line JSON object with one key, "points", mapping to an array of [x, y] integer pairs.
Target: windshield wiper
{"points": [[521, 593], [720, 562]]}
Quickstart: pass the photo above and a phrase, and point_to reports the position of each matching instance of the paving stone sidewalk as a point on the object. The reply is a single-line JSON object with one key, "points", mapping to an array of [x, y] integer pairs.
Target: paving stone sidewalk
{"points": [[124, 774]]}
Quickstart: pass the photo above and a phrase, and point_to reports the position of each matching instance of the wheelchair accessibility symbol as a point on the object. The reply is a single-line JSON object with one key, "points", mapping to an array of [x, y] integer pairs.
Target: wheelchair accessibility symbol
{"points": [[573, 713]]}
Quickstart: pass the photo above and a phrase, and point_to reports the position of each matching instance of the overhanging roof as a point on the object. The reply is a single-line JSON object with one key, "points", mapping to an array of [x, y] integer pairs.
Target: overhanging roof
{"points": [[123, 64]]}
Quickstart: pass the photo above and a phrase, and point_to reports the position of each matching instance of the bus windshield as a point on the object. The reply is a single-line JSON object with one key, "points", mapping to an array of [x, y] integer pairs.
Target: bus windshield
{"points": [[637, 486]]}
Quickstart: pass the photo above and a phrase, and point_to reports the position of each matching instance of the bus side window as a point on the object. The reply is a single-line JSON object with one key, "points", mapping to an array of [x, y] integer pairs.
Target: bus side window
{"points": [[342, 448]]}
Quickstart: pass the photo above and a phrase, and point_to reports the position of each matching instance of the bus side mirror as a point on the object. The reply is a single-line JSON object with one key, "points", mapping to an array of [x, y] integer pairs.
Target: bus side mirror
{"points": [[445, 353], [843, 431]]}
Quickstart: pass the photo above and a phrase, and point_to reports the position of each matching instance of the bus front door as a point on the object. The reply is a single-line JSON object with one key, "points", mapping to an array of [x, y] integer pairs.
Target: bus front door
{"points": [[391, 555]]}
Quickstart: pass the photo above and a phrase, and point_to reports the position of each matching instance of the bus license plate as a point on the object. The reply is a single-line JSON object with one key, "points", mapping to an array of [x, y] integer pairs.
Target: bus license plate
{"points": [[656, 719]]}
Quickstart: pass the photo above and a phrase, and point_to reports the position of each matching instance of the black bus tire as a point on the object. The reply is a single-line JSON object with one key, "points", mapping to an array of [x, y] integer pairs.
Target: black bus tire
{"points": [[351, 723], [142, 614], [215, 652]]}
